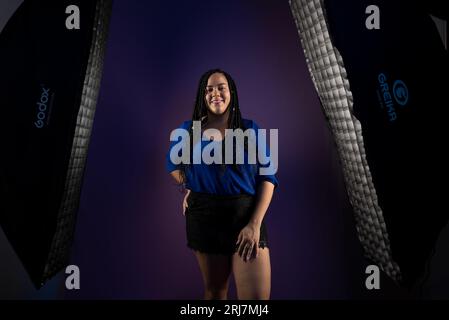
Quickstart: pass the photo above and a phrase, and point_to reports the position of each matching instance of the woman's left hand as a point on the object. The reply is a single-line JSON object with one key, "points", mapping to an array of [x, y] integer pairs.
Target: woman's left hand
{"points": [[248, 241]]}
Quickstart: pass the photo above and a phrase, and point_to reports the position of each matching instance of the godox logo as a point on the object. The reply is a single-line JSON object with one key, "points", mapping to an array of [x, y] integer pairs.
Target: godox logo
{"points": [[42, 108]]}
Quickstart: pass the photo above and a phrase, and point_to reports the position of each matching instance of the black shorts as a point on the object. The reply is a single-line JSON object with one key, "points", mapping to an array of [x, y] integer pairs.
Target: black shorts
{"points": [[213, 222]]}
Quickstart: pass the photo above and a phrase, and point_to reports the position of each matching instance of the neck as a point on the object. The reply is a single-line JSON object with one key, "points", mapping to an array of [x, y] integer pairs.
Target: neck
{"points": [[218, 120]]}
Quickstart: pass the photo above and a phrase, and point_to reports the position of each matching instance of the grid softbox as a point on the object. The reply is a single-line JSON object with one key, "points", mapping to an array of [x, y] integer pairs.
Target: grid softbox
{"points": [[383, 90], [51, 59]]}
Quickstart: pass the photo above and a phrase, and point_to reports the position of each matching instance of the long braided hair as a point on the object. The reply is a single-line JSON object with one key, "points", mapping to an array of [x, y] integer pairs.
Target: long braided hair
{"points": [[200, 114]]}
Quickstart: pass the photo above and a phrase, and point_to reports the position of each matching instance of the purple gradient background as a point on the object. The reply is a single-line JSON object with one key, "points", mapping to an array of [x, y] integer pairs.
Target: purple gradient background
{"points": [[130, 238]]}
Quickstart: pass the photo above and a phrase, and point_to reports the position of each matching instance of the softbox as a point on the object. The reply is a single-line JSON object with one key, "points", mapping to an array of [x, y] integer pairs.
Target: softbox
{"points": [[51, 59], [383, 89]]}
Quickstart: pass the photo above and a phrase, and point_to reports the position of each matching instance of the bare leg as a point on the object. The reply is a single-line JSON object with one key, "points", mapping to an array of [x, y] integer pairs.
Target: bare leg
{"points": [[253, 278], [215, 270]]}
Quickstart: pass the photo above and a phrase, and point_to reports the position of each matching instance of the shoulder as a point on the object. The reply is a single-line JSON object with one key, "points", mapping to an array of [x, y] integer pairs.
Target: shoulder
{"points": [[185, 125], [180, 130], [250, 124]]}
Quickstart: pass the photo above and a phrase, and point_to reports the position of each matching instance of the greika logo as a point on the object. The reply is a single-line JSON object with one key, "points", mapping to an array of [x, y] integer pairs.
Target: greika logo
{"points": [[43, 106], [400, 95], [400, 92]]}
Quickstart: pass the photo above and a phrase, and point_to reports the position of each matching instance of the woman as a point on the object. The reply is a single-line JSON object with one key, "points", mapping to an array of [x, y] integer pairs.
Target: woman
{"points": [[225, 204]]}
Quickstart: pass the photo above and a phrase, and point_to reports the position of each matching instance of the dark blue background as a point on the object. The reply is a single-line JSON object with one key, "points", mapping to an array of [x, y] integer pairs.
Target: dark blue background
{"points": [[130, 240]]}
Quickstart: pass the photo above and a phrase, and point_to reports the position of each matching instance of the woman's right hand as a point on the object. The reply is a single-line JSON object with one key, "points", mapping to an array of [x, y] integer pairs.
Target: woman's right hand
{"points": [[185, 205]]}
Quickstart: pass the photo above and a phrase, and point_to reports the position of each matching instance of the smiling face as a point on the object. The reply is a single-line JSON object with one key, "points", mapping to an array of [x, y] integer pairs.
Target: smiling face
{"points": [[218, 95]]}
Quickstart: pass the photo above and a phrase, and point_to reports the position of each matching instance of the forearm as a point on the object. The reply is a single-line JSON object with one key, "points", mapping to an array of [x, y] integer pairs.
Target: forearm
{"points": [[263, 199]]}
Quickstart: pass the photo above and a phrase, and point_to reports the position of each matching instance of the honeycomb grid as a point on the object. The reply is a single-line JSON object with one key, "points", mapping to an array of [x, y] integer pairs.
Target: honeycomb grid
{"points": [[329, 77]]}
